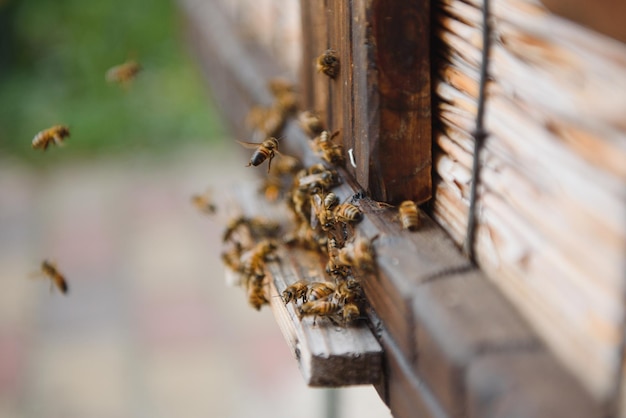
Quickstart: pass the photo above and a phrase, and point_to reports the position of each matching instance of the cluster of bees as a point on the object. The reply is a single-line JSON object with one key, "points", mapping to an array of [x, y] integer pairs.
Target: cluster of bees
{"points": [[319, 220], [56, 135]]}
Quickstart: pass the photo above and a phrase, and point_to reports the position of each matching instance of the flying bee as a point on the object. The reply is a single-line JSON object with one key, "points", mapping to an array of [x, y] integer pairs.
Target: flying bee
{"points": [[317, 308], [350, 312], [323, 146], [256, 294], [50, 270], [348, 213], [204, 202], [409, 215], [54, 135], [328, 63], [266, 150], [295, 291], [123, 73], [310, 123], [320, 291]]}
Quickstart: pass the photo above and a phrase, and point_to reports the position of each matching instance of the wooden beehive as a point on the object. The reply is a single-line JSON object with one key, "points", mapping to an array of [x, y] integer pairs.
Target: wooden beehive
{"points": [[551, 232]]}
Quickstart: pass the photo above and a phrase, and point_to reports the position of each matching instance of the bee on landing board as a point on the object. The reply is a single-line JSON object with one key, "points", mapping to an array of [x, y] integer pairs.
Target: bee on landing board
{"points": [[409, 215], [328, 63], [124, 73], [317, 308], [54, 135], [50, 270], [266, 150], [323, 146], [320, 290], [295, 291]]}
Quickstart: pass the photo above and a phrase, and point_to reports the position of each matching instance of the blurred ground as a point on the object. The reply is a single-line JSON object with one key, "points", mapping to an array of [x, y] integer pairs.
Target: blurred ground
{"points": [[149, 328]]}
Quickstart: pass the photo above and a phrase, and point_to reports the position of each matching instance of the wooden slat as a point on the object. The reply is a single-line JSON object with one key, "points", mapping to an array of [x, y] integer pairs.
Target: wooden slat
{"points": [[552, 198]]}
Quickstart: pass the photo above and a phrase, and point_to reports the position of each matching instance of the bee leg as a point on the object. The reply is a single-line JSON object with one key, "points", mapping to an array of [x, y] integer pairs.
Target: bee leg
{"points": [[269, 162]]}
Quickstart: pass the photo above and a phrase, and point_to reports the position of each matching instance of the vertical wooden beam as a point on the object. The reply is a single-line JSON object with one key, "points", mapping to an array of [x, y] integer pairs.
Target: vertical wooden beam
{"points": [[315, 86], [391, 86]]}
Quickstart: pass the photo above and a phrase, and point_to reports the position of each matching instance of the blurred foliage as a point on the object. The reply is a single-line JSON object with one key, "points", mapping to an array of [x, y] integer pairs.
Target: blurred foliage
{"points": [[53, 58]]}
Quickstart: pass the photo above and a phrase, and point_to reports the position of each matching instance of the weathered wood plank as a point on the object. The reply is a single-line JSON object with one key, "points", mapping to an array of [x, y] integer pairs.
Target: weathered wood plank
{"points": [[395, 36], [462, 318], [552, 197], [525, 385]]}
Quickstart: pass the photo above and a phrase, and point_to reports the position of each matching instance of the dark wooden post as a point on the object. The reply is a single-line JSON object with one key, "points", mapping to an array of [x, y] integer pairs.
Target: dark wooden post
{"points": [[381, 99]]}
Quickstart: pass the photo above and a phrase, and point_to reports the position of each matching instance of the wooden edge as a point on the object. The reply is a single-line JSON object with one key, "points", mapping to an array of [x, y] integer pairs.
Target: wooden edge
{"points": [[328, 355]]}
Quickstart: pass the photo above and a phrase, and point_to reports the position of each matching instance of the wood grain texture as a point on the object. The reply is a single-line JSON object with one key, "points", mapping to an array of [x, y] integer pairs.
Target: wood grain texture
{"points": [[552, 198]]}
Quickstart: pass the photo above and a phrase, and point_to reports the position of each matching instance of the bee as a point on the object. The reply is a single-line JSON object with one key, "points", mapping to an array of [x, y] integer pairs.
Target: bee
{"points": [[299, 204], [348, 213], [350, 313], [253, 261], [123, 73], [328, 63], [317, 308], [232, 257], [319, 182], [310, 123], [409, 215], [311, 239], [359, 254], [54, 135], [329, 152], [285, 165], [295, 291], [320, 291], [321, 214], [268, 120], [266, 150], [256, 294], [50, 270], [348, 291], [204, 203]]}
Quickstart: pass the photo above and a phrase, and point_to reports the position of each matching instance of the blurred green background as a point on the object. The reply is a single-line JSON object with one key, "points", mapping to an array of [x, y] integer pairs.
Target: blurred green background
{"points": [[53, 58]]}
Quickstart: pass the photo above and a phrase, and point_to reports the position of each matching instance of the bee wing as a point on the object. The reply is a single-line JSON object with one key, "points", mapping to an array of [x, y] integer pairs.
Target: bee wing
{"points": [[250, 145]]}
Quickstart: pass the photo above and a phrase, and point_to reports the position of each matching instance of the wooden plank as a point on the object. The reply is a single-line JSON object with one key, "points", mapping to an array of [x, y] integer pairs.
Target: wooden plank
{"points": [[462, 318], [525, 385], [552, 199]]}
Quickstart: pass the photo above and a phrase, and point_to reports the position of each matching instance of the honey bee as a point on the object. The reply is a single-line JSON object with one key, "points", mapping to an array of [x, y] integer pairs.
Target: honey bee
{"points": [[123, 73], [350, 312], [232, 257], [264, 151], [359, 254], [268, 120], [50, 270], [253, 261], [329, 152], [54, 135], [317, 308], [309, 238], [328, 63], [318, 182], [286, 164], [295, 291], [320, 290], [256, 294], [299, 204], [321, 214], [204, 203], [348, 213], [409, 215], [310, 123], [348, 291]]}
